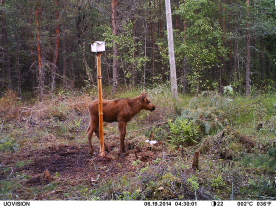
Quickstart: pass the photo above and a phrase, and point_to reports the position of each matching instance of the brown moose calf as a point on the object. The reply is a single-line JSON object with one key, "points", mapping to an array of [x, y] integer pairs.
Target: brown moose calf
{"points": [[121, 111]]}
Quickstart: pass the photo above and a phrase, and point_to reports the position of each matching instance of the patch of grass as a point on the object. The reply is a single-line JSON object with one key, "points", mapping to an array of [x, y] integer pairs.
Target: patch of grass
{"points": [[8, 145], [23, 163], [7, 189]]}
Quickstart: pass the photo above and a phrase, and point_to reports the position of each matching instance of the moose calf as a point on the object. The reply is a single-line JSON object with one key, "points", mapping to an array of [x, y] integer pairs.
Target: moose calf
{"points": [[121, 111]]}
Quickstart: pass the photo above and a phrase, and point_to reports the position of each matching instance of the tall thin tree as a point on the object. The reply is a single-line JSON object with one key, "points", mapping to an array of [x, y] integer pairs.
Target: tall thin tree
{"points": [[56, 51], [38, 13], [171, 49], [7, 59], [247, 75], [114, 4]]}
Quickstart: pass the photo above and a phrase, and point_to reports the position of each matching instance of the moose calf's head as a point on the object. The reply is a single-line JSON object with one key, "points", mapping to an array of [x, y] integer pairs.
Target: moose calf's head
{"points": [[146, 103]]}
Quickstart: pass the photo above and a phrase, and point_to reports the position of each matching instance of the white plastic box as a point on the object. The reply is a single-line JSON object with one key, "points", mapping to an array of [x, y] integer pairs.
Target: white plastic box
{"points": [[98, 46]]}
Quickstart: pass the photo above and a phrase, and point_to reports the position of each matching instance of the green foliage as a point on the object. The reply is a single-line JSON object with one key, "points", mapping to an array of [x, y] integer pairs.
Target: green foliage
{"points": [[218, 182], [7, 188], [228, 90], [23, 163], [193, 181], [210, 28], [263, 187], [136, 163], [128, 196], [8, 145], [128, 48], [207, 110], [207, 118], [183, 132], [203, 40], [266, 161]]}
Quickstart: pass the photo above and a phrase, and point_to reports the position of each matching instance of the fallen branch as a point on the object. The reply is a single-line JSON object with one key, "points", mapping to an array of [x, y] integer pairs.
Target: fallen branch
{"points": [[18, 123], [10, 173]]}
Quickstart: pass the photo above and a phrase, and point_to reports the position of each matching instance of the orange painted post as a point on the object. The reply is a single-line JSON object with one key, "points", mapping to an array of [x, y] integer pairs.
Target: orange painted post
{"points": [[101, 132], [99, 47]]}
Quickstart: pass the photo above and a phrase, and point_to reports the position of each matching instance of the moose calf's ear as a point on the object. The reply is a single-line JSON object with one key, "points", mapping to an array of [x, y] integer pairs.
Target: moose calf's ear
{"points": [[144, 95]]}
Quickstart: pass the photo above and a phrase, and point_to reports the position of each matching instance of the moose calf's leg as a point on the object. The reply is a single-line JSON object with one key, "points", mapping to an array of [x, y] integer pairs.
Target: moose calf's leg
{"points": [[122, 131], [90, 134], [97, 131], [92, 128]]}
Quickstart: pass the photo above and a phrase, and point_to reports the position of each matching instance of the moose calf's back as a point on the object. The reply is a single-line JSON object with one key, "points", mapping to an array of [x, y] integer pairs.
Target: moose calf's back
{"points": [[121, 109]]}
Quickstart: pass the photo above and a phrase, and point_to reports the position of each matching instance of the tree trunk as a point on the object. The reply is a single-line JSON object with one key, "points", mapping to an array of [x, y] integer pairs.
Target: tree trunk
{"points": [[41, 78], [185, 63], [33, 73], [56, 52], [247, 76], [262, 59], [160, 20], [7, 59], [223, 67], [114, 4], [171, 49], [64, 70], [64, 65], [134, 55], [154, 40], [145, 46], [18, 69], [87, 68], [81, 30]]}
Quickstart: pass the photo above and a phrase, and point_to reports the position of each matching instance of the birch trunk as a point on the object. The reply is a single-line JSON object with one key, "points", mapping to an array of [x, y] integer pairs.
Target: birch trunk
{"points": [[171, 49]]}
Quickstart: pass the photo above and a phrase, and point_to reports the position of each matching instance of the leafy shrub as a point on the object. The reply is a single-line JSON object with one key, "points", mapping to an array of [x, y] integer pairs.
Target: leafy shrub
{"points": [[193, 181], [208, 111], [8, 145], [265, 161], [263, 187], [183, 132], [125, 195], [209, 119], [228, 90], [218, 182]]}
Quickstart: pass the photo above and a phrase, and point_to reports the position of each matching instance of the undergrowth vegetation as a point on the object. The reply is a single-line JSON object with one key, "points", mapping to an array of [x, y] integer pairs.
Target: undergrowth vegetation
{"points": [[234, 136]]}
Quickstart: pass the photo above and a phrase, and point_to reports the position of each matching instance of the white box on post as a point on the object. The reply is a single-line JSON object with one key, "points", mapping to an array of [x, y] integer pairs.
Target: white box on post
{"points": [[98, 46]]}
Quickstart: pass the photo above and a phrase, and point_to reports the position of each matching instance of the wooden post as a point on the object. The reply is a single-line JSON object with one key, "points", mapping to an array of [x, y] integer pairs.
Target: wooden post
{"points": [[101, 132], [195, 161]]}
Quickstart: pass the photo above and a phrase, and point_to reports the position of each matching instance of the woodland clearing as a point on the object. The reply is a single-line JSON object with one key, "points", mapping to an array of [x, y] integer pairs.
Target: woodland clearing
{"points": [[208, 147]]}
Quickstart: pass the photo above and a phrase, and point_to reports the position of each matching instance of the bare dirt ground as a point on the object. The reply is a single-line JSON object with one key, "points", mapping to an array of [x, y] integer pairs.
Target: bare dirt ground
{"points": [[71, 165]]}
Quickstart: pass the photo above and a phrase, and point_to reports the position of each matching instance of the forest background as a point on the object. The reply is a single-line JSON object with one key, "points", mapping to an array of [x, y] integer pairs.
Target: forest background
{"points": [[45, 45]]}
